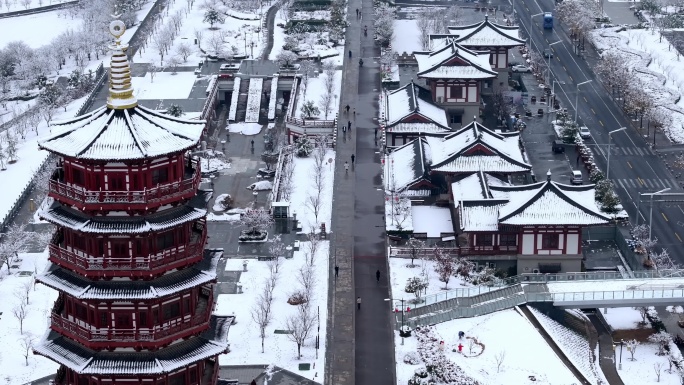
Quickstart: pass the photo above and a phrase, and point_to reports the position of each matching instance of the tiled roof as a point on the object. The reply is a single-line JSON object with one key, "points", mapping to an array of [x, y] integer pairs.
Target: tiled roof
{"points": [[86, 361], [412, 99], [487, 34], [432, 64], [79, 287], [122, 134], [474, 187], [405, 166], [161, 220], [449, 152], [480, 215], [416, 128]]}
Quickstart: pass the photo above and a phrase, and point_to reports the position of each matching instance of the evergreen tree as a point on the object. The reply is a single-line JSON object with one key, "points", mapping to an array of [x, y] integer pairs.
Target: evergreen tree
{"points": [[212, 16], [309, 109], [175, 110]]}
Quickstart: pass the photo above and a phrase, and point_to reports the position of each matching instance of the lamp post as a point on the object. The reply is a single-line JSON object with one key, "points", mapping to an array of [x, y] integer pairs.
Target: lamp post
{"points": [[401, 331], [532, 24], [622, 342], [577, 97], [610, 135], [650, 214], [548, 67]]}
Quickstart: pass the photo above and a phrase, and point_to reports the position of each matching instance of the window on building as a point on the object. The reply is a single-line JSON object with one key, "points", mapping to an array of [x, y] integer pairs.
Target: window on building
{"points": [[171, 310], [186, 305], [123, 321], [456, 92], [77, 176], [79, 242], [550, 241], [160, 175], [143, 318], [103, 320], [100, 247], [80, 312], [117, 182], [193, 375], [483, 239], [508, 240], [455, 118], [119, 249], [165, 240], [138, 246]]}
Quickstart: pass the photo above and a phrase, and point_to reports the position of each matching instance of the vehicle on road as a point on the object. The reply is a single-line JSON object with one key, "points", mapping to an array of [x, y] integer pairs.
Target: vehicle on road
{"points": [[576, 177], [584, 132], [548, 53], [520, 68], [558, 147], [548, 20]]}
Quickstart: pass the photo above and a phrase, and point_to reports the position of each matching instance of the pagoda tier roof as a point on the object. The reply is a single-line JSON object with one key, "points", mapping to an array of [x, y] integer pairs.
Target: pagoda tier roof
{"points": [[122, 134], [121, 224], [411, 100], [453, 61], [418, 128], [483, 34], [77, 286], [83, 360], [406, 166]]}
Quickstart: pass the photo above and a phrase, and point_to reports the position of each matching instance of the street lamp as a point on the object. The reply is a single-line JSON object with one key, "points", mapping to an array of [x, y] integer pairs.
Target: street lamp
{"points": [[548, 68], [609, 137], [531, 24], [622, 342], [401, 331], [650, 214], [577, 97]]}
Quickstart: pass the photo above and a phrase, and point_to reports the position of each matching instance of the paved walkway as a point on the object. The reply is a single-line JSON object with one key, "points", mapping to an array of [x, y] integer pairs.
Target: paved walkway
{"points": [[270, 25], [606, 353]]}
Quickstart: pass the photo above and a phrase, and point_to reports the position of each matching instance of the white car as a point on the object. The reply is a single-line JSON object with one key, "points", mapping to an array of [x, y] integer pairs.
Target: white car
{"points": [[584, 132], [520, 68]]}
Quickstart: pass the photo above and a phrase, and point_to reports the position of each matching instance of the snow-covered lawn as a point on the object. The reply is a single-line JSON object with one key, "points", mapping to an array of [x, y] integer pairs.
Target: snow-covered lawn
{"points": [[164, 86], [315, 90], [303, 187], [245, 128], [574, 346], [308, 50], [400, 272], [245, 344], [36, 30], [526, 354], [622, 318], [406, 37], [41, 299], [641, 371], [13, 6], [232, 111], [254, 100]]}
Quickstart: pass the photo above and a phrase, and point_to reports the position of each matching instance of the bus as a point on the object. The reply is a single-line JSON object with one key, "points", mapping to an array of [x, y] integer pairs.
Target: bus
{"points": [[548, 20]]}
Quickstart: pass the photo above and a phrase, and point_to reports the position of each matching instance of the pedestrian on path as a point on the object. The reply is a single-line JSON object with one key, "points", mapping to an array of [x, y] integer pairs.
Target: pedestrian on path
{"points": [[344, 129], [353, 158], [357, 13], [358, 303], [347, 108], [350, 54], [346, 167], [377, 276], [354, 114], [376, 132], [349, 124], [337, 271]]}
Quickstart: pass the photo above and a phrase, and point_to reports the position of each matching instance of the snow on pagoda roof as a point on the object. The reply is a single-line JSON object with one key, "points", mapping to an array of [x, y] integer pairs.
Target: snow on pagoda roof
{"points": [[548, 203], [160, 220], [405, 166], [485, 34], [474, 187], [480, 215], [473, 65], [423, 128], [450, 153], [82, 288], [87, 361], [412, 99], [122, 134]]}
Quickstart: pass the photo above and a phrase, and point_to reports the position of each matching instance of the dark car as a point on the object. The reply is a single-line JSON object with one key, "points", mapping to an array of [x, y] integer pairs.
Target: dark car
{"points": [[558, 147]]}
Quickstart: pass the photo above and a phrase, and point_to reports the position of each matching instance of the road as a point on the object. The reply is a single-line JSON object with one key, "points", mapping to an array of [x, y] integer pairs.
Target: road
{"points": [[634, 167]]}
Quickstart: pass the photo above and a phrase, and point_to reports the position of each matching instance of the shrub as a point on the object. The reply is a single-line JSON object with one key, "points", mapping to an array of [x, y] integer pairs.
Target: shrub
{"points": [[412, 358]]}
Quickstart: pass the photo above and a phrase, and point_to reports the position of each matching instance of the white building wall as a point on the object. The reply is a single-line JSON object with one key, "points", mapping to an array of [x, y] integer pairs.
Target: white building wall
{"points": [[528, 244], [472, 94], [573, 244]]}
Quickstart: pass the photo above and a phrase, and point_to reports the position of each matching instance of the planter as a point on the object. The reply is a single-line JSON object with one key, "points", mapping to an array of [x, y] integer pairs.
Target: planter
{"points": [[405, 331], [245, 237]]}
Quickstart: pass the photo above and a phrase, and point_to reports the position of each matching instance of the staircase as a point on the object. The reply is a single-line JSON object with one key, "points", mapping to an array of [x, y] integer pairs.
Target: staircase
{"points": [[263, 113], [242, 100]]}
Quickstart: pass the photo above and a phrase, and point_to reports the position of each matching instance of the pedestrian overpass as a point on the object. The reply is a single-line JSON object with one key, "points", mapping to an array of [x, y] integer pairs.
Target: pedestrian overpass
{"points": [[565, 290]]}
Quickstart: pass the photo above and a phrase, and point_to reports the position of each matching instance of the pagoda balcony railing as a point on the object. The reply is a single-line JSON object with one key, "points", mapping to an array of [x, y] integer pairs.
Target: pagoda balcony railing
{"points": [[484, 250], [165, 258], [159, 194], [171, 330]]}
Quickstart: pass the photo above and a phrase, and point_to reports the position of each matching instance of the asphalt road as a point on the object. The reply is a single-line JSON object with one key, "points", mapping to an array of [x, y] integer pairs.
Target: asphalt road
{"points": [[634, 167]]}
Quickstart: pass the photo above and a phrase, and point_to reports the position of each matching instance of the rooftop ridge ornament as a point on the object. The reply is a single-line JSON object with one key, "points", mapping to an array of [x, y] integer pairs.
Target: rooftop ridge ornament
{"points": [[120, 89]]}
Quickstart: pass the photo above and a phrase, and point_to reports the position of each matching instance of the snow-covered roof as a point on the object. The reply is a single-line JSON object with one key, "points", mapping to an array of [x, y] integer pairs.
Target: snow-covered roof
{"points": [[480, 215], [502, 152], [474, 186], [485, 34], [549, 203], [405, 166], [83, 360], [416, 128], [432, 220], [453, 61], [160, 220], [122, 134], [413, 100], [77, 286]]}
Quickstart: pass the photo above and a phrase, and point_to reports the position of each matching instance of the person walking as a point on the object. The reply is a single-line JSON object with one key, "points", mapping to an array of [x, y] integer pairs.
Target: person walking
{"points": [[344, 129], [346, 167], [353, 158], [357, 13], [376, 132], [358, 303], [347, 108], [350, 54], [377, 276], [354, 114], [337, 271], [349, 124]]}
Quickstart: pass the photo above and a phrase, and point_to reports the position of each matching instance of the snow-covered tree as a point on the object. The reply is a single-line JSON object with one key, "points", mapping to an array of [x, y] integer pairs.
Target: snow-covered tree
{"points": [[446, 266], [173, 63], [216, 43], [301, 325], [199, 34], [632, 347], [304, 147], [384, 23], [184, 50], [257, 220], [286, 58], [2, 162], [416, 285], [662, 339], [262, 314], [13, 242], [20, 312], [26, 344], [175, 110], [309, 109], [276, 249], [415, 246], [213, 16], [664, 261], [11, 149]]}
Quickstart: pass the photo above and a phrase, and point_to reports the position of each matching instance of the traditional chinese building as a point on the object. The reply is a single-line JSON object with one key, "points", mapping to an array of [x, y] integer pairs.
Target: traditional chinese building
{"points": [[485, 36], [538, 226], [128, 259], [455, 76]]}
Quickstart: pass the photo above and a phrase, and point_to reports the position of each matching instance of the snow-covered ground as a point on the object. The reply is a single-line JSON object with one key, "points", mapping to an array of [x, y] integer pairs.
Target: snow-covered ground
{"points": [[622, 318], [13, 365], [254, 100], [13, 6], [406, 37], [35, 30], [302, 182], [525, 352], [245, 128], [165, 85], [641, 371], [400, 272], [315, 90], [656, 64]]}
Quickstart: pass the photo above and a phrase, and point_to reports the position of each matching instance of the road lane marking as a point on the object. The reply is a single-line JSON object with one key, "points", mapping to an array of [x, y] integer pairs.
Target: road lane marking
{"points": [[664, 217], [585, 99], [678, 237], [622, 185], [592, 110], [571, 81], [630, 165], [641, 181], [565, 69], [601, 123]]}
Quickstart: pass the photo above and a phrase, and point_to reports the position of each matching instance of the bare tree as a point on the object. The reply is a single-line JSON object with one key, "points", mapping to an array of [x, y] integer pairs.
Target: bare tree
{"points": [[199, 34], [276, 249], [314, 241], [415, 246], [173, 63], [20, 311], [261, 312], [25, 290], [658, 367], [13, 242], [446, 266], [426, 22], [216, 42], [26, 343], [499, 358], [662, 339], [307, 278], [632, 347], [257, 220], [184, 50], [471, 345], [300, 326], [315, 203], [643, 312]]}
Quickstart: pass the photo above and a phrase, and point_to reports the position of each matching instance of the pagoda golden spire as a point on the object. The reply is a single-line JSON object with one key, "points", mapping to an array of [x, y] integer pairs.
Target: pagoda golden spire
{"points": [[120, 88]]}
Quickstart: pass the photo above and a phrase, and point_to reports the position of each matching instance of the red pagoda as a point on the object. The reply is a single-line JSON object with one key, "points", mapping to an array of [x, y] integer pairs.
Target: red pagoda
{"points": [[128, 259]]}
